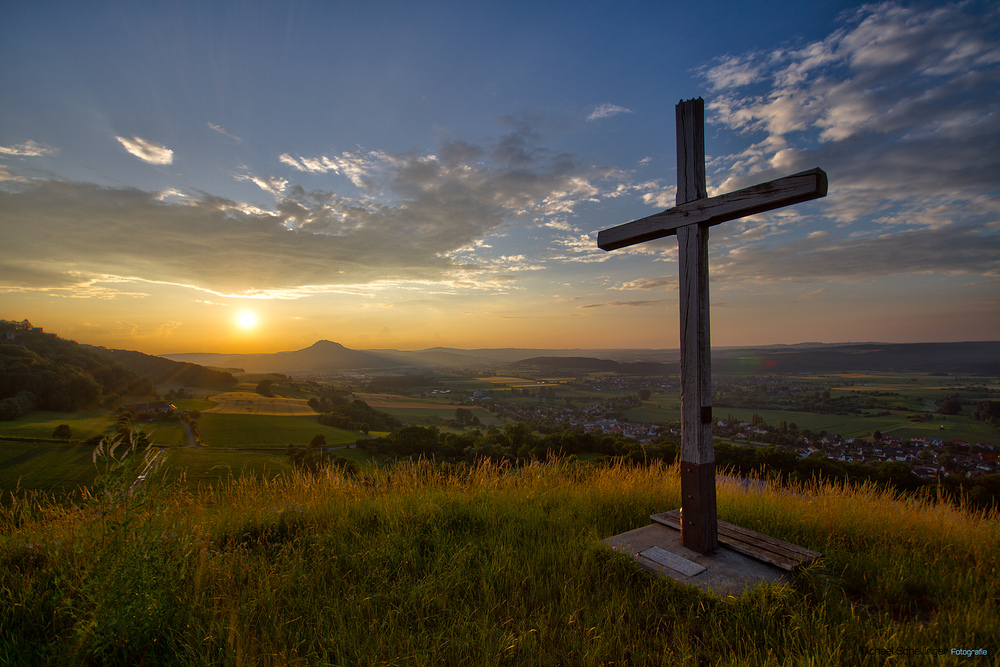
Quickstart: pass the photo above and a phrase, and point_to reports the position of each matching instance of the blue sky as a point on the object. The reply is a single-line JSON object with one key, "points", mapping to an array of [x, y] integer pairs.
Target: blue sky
{"points": [[412, 174]]}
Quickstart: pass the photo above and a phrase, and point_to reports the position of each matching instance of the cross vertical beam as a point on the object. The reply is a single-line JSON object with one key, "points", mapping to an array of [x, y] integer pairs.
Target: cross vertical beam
{"points": [[699, 531], [690, 220]]}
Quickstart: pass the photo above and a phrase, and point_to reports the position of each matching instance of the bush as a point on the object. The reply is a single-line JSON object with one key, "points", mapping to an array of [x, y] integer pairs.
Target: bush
{"points": [[20, 404]]}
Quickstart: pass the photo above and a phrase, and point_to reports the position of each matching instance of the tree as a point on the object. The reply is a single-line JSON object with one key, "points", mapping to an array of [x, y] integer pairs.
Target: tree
{"points": [[644, 394], [949, 406], [264, 388], [63, 432], [464, 416], [311, 459], [988, 411]]}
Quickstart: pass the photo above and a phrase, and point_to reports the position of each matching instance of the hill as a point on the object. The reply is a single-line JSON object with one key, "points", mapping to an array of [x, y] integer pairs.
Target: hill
{"points": [[43, 371], [593, 365], [321, 356], [973, 358], [165, 371], [486, 565]]}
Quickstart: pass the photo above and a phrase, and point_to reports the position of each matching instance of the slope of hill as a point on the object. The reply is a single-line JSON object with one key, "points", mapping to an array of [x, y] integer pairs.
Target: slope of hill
{"points": [[166, 371], [482, 565], [50, 373]]}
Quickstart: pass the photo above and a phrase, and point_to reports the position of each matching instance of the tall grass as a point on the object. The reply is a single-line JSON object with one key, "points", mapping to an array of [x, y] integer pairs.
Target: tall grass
{"points": [[488, 565]]}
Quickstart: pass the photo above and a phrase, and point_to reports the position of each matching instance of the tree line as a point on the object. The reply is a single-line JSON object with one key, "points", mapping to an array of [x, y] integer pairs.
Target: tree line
{"points": [[43, 372]]}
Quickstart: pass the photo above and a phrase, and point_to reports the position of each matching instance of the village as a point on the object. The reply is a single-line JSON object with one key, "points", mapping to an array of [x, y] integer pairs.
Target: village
{"points": [[928, 457]]}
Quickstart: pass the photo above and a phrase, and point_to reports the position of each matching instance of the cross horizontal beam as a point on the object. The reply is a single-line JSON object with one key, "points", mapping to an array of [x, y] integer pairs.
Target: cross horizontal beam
{"points": [[785, 191]]}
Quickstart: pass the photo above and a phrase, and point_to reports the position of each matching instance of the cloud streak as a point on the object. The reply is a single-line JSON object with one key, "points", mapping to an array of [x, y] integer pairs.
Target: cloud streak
{"points": [[223, 131], [146, 150], [28, 149], [607, 110]]}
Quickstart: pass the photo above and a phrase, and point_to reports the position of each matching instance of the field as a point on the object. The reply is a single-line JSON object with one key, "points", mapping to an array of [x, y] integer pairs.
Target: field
{"points": [[239, 431], [252, 403], [916, 393], [491, 566], [57, 469], [41, 424], [409, 409]]}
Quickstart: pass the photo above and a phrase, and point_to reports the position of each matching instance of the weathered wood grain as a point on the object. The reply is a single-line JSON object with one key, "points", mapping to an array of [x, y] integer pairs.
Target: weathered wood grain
{"points": [[774, 194], [690, 221], [697, 453], [768, 549]]}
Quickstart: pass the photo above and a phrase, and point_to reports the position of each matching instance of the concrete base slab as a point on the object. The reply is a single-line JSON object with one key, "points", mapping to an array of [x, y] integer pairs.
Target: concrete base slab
{"points": [[726, 572]]}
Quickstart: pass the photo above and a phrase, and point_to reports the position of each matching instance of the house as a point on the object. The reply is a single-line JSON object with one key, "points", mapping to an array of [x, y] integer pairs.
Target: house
{"points": [[153, 408]]}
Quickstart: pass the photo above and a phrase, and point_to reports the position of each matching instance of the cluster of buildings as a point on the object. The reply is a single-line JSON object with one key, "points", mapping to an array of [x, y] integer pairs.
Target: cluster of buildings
{"points": [[928, 457]]}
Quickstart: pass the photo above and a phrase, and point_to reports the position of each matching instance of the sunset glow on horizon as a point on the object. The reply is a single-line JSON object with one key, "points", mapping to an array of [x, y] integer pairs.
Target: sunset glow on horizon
{"points": [[257, 177]]}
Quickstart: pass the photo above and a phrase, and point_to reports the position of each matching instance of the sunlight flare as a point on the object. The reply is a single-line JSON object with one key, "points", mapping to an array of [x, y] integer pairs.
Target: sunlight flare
{"points": [[246, 320]]}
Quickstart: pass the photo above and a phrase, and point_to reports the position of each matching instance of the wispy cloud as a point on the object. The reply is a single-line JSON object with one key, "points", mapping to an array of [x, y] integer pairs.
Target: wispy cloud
{"points": [[146, 150], [357, 167], [221, 130], [626, 304], [947, 250], [273, 184], [606, 111], [899, 106], [28, 149]]}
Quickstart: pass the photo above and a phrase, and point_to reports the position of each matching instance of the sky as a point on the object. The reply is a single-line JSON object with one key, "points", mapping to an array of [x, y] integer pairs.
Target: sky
{"points": [[256, 176]]}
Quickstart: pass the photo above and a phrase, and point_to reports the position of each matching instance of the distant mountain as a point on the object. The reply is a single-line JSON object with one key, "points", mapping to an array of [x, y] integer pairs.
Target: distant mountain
{"points": [[321, 356], [971, 358], [594, 365]]}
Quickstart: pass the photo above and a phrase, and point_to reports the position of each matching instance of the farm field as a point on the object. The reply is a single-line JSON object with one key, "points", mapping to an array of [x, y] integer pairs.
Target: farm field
{"points": [[165, 433], [57, 469], [252, 403], [200, 466], [246, 431], [410, 409], [41, 424]]}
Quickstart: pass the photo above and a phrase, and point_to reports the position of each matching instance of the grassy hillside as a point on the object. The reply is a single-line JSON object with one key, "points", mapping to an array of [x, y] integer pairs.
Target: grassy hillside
{"points": [[482, 566]]}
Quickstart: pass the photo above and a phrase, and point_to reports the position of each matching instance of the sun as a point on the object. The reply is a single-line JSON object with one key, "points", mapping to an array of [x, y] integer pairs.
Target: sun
{"points": [[246, 320]]}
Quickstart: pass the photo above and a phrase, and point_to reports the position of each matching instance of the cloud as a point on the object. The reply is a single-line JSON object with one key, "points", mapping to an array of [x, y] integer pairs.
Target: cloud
{"points": [[669, 282], [949, 250], [898, 104], [626, 304], [422, 219], [357, 167], [273, 184], [146, 150], [606, 111], [221, 130], [898, 101], [28, 149]]}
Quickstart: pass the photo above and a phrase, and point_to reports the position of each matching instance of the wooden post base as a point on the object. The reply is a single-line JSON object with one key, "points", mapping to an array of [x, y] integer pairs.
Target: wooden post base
{"points": [[700, 529]]}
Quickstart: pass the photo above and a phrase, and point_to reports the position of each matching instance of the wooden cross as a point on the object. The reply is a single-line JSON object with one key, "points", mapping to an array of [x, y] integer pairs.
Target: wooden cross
{"points": [[689, 220]]}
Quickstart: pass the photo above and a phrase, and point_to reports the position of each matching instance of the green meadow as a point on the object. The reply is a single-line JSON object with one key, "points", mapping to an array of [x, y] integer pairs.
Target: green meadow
{"points": [[41, 424], [51, 468], [487, 565], [267, 431]]}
